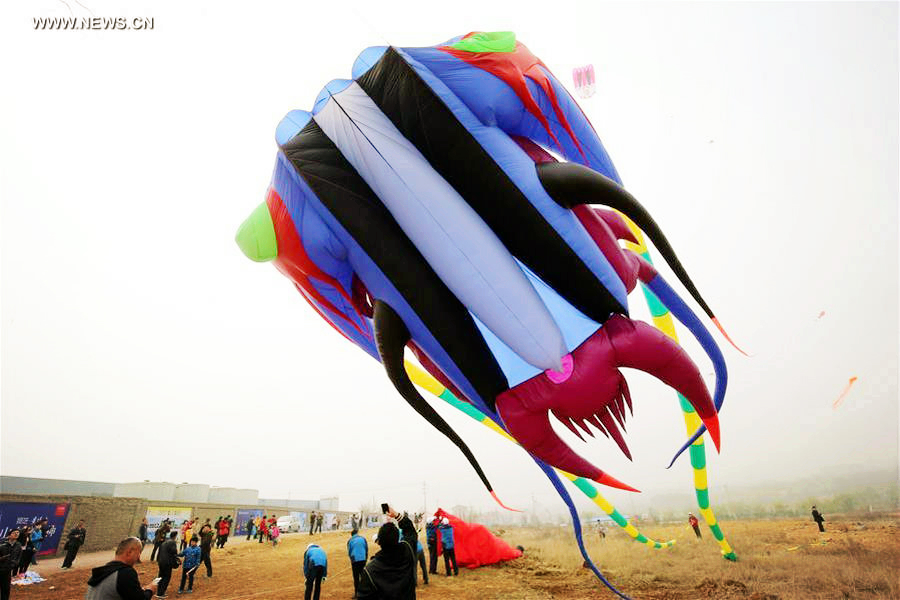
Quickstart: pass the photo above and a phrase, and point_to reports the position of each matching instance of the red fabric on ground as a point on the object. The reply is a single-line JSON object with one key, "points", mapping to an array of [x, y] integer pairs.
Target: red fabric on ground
{"points": [[475, 545]]}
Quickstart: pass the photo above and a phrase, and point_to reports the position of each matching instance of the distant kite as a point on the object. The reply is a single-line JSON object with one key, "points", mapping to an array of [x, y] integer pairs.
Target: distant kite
{"points": [[585, 83], [821, 314], [844, 393]]}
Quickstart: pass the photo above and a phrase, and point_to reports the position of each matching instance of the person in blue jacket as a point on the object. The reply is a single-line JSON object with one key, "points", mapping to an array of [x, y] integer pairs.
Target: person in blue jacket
{"points": [[315, 569], [191, 556], [431, 529], [420, 555], [358, 549], [446, 530]]}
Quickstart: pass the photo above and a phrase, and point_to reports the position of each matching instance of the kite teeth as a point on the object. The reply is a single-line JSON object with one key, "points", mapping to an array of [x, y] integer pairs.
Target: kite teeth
{"points": [[568, 423], [597, 424], [615, 434], [583, 425], [618, 414], [626, 393]]}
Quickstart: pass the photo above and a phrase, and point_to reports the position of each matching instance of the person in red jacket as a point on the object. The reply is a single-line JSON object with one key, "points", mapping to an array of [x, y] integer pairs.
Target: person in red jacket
{"points": [[224, 531], [695, 524], [263, 529]]}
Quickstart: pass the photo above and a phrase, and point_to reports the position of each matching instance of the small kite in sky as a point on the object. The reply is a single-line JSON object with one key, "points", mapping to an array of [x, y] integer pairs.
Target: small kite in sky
{"points": [[585, 83], [844, 393]]}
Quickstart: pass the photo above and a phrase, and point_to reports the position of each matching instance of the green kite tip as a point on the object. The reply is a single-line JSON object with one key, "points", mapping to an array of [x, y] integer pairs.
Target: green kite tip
{"points": [[256, 236], [492, 41]]}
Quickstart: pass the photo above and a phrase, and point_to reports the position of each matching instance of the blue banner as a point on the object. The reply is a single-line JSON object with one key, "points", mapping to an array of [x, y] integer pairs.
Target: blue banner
{"points": [[14, 515], [244, 515]]}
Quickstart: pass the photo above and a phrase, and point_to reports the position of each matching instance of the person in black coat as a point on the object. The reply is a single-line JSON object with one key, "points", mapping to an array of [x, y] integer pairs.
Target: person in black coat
{"points": [[10, 555], [167, 560], [73, 543], [27, 549], [160, 537], [818, 518], [142, 532], [391, 574]]}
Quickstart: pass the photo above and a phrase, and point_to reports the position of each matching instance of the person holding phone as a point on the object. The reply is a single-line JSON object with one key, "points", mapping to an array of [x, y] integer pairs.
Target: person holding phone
{"points": [[117, 579], [391, 574]]}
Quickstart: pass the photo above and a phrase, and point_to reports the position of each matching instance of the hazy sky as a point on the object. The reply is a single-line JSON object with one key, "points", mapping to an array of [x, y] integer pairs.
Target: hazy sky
{"points": [[139, 343]]}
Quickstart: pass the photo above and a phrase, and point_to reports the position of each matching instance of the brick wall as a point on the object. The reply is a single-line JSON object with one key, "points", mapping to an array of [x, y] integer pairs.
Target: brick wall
{"points": [[110, 520], [107, 520]]}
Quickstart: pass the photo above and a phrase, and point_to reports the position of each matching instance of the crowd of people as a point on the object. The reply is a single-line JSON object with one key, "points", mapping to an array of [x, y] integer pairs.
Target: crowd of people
{"points": [[391, 573]]}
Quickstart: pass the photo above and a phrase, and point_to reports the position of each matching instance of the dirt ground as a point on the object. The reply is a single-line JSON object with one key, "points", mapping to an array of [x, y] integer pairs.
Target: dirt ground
{"points": [[778, 560]]}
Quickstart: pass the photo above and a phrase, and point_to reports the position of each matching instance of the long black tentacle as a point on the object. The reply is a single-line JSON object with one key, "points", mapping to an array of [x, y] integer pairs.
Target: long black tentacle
{"points": [[391, 337], [571, 184]]}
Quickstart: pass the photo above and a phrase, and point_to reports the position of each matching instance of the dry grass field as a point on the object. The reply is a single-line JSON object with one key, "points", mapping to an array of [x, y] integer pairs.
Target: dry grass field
{"points": [[783, 560]]}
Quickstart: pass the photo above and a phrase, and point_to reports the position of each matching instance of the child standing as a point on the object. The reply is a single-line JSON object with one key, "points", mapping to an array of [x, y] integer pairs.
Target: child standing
{"points": [[191, 556], [274, 532]]}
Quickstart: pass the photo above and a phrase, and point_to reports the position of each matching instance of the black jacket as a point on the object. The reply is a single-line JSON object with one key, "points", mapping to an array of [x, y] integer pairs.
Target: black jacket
{"points": [[10, 554], [115, 580], [168, 554], [161, 533], [76, 537], [391, 574]]}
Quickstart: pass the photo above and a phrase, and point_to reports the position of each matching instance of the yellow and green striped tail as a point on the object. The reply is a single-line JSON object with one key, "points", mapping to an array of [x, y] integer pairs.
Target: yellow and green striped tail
{"points": [[663, 321], [424, 380]]}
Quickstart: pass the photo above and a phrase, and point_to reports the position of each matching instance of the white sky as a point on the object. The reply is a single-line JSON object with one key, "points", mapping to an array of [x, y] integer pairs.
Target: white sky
{"points": [[139, 343]]}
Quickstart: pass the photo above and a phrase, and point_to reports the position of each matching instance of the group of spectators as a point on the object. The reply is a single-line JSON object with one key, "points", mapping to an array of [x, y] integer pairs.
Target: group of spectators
{"points": [[265, 529], [26, 542], [315, 522], [391, 574], [20, 548]]}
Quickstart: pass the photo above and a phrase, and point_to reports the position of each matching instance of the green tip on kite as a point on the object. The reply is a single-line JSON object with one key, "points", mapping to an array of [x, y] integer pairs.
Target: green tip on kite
{"points": [[730, 556], [256, 236], [494, 41]]}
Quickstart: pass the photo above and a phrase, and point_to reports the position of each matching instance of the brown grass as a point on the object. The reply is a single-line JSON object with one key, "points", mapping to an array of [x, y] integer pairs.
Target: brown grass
{"points": [[860, 560]]}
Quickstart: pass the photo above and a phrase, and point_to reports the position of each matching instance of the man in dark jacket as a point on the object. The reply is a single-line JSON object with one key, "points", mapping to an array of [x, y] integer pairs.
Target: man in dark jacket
{"points": [[391, 574], [73, 543], [117, 579], [10, 555], [818, 518], [207, 535], [167, 560], [160, 537]]}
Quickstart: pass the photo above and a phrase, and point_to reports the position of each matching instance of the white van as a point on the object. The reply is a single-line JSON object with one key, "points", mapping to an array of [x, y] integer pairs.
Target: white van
{"points": [[288, 523]]}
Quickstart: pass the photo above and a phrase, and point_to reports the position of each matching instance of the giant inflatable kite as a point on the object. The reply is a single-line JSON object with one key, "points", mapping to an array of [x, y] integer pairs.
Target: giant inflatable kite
{"points": [[418, 206]]}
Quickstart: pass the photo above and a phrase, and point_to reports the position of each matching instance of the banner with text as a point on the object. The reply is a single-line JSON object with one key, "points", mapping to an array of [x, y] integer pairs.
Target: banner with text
{"points": [[14, 515]]}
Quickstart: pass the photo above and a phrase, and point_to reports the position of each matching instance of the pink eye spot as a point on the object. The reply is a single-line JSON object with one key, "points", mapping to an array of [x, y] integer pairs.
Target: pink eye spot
{"points": [[568, 365]]}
